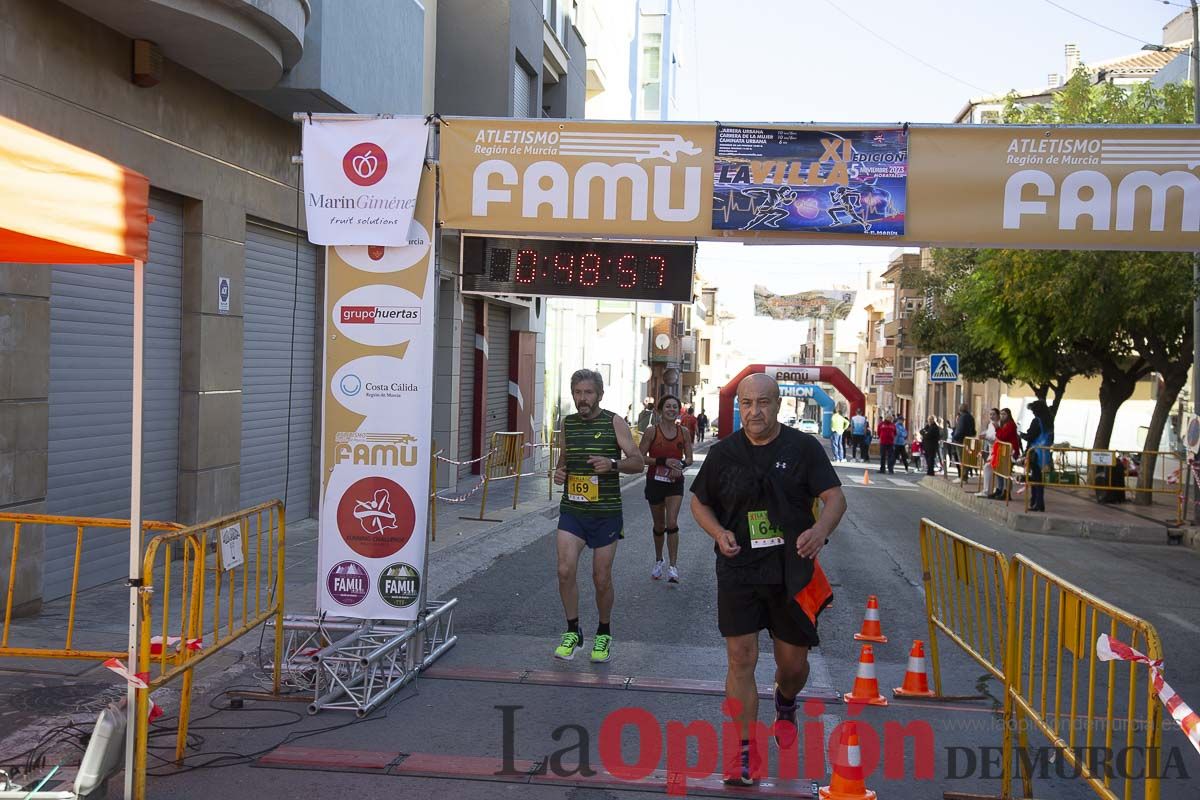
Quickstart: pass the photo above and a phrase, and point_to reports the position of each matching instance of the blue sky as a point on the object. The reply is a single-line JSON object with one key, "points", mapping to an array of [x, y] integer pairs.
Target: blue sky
{"points": [[806, 60]]}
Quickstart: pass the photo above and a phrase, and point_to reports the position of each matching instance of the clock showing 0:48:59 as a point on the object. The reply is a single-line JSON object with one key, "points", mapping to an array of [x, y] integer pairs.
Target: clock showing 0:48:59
{"points": [[652, 271]]}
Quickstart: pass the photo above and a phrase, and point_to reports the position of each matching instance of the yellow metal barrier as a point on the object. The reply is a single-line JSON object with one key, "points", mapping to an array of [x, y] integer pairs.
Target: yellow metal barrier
{"points": [[503, 462], [1051, 635], [197, 589], [80, 524], [1003, 469], [964, 597], [1089, 469]]}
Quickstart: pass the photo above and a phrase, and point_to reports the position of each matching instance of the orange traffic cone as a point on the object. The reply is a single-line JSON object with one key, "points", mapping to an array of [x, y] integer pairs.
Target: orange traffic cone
{"points": [[847, 781], [916, 683], [866, 687], [871, 631], [866, 477]]}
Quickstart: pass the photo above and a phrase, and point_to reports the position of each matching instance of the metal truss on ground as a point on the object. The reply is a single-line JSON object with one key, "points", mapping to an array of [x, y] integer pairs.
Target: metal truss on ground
{"points": [[356, 665]]}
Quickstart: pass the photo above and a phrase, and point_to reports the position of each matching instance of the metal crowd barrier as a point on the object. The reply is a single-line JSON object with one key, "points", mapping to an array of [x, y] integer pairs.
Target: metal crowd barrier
{"points": [[204, 587], [1052, 630], [503, 462], [69, 650], [1037, 634], [1003, 469], [1088, 469], [963, 457], [964, 597]]}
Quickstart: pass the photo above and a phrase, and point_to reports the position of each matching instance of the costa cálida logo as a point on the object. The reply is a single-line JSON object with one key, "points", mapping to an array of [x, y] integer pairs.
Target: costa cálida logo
{"points": [[365, 164], [376, 517]]}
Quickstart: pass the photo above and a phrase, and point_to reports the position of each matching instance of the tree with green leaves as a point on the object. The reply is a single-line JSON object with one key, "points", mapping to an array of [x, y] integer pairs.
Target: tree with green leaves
{"points": [[1136, 308]]}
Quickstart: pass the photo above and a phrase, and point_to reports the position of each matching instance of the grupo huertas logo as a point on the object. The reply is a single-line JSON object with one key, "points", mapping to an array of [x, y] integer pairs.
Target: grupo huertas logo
{"points": [[381, 315]]}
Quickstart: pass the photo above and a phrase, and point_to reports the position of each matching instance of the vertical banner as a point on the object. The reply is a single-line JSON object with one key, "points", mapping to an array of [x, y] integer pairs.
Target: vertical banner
{"points": [[361, 177], [377, 422], [810, 181]]}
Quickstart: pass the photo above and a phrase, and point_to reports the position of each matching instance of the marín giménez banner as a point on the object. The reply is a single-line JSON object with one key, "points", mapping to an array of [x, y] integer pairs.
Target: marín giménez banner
{"points": [[361, 178], [819, 304], [786, 179]]}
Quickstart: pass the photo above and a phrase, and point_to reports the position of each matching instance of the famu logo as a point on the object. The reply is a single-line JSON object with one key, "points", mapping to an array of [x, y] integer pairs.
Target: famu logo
{"points": [[399, 585], [629, 189]]}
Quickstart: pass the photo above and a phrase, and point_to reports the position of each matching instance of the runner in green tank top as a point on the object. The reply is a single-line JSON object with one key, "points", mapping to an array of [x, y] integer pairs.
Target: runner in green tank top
{"points": [[595, 446]]}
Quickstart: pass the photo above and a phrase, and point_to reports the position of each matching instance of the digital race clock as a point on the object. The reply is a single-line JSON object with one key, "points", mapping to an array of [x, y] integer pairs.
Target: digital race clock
{"points": [[603, 270]]}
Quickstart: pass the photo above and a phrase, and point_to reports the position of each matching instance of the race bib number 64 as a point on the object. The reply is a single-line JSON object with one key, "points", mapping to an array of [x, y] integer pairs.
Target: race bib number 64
{"points": [[762, 533], [583, 488]]}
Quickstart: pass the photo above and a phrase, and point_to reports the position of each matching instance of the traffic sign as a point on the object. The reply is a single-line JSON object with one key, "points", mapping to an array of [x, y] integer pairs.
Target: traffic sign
{"points": [[943, 367]]}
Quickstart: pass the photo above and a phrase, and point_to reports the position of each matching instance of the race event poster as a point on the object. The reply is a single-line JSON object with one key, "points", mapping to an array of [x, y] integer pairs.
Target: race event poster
{"points": [[810, 181]]}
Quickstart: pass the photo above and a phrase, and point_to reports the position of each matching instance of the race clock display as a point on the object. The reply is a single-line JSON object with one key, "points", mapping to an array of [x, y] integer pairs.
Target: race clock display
{"points": [[601, 269]]}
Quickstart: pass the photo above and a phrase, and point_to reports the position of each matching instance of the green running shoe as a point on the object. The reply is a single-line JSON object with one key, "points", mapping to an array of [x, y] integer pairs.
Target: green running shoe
{"points": [[571, 642], [600, 647]]}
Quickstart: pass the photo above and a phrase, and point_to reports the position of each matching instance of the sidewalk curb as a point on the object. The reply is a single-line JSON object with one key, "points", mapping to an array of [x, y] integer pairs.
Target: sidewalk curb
{"points": [[1016, 518]]}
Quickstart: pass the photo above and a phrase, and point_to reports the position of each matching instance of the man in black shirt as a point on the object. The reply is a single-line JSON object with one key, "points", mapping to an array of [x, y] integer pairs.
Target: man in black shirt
{"points": [[754, 496]]}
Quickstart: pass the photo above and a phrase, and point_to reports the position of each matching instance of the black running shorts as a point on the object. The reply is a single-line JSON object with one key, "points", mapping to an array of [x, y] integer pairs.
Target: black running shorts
{"points": [[747, 608], [658, 491]]}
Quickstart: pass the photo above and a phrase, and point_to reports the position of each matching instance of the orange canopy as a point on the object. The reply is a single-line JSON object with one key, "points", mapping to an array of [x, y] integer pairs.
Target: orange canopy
{"points": [[60, 204]]}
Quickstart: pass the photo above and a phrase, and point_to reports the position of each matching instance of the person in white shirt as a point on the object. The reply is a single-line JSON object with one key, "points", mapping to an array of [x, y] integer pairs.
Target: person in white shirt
{"points": [[989, 439]]}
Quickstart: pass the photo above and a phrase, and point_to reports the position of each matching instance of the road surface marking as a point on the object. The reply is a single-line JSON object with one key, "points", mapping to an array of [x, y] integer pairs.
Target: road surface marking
{"points": [[1180, 621]]}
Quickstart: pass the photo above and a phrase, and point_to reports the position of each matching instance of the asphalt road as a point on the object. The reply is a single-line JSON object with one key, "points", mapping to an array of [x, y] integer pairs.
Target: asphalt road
{"points": [[510, 619]]}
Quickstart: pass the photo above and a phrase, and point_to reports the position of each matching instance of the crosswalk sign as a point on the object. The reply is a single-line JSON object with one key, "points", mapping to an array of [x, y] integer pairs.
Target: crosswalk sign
{"points": [[943, 367]]}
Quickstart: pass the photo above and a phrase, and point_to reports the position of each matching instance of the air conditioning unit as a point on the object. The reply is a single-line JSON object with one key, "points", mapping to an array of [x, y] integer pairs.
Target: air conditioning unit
{"points": [[680, 330]]}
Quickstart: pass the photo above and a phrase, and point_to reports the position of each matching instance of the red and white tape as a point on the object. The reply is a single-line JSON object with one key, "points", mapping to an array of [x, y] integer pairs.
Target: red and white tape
{"points": [[1112, 650], [156, 644], [138, 681]]}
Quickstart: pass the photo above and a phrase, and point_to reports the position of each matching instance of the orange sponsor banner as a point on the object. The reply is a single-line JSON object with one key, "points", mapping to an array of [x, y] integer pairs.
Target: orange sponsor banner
{"points": [[1077, 188], [619, 179]]}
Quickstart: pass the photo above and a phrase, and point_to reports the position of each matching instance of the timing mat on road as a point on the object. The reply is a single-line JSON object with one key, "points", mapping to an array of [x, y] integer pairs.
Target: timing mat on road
{"points": [[522, 771]]}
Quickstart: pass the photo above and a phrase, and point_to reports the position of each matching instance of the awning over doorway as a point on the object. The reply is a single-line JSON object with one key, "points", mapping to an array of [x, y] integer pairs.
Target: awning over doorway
{"points": [[60, 204]]}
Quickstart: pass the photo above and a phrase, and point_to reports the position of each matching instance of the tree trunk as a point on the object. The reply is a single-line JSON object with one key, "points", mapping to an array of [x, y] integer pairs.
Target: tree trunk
{"points": [[1173, 383], [1116, 386]]}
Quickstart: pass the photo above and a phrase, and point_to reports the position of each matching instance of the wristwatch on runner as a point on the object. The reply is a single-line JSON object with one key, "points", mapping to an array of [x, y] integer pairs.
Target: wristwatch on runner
{"points": [[616, 465]]}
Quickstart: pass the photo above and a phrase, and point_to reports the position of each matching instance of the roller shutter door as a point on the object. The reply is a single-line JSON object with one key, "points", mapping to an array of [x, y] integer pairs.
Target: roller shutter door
{"points": [[278, 369], [466, 404], [91, 369], [523, 92], [497, 377]]}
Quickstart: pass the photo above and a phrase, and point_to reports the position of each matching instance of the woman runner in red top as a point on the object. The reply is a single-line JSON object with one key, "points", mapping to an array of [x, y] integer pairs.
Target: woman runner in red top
{"points": [[668, 451]]}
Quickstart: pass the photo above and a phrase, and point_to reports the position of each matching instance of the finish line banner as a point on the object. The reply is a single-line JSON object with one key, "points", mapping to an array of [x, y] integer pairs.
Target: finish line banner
{"points": [[1048, 187], [810, 181], [376, 432]]}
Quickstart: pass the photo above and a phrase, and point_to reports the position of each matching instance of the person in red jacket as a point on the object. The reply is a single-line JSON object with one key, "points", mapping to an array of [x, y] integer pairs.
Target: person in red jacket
{"points": [[1006, 431], [886, 431]]}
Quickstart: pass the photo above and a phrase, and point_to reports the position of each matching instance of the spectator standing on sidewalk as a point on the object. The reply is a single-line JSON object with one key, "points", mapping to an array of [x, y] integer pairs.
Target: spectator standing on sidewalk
{"points": [[1040, 435], [595, 446], [901, 448], [837, 433], [931, 436], [701, 426], [963, 427], [858, 429], [887, 445], [989, 442], [1007, 432]]}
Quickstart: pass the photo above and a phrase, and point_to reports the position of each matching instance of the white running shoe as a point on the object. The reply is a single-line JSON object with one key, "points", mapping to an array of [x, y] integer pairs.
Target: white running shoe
{"points": [[656, 573], [672, 574]]}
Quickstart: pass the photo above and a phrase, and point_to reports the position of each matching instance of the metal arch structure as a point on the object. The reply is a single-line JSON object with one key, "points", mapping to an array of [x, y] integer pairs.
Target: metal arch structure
{"points": [[789, 373]]}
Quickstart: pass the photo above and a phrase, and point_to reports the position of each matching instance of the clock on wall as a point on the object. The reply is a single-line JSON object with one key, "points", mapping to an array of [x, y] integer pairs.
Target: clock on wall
{"points": [[608, 270]]}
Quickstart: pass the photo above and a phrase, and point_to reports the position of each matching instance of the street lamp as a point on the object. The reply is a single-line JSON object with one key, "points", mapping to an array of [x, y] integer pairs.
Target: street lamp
{"points": [[1194, 74]]}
